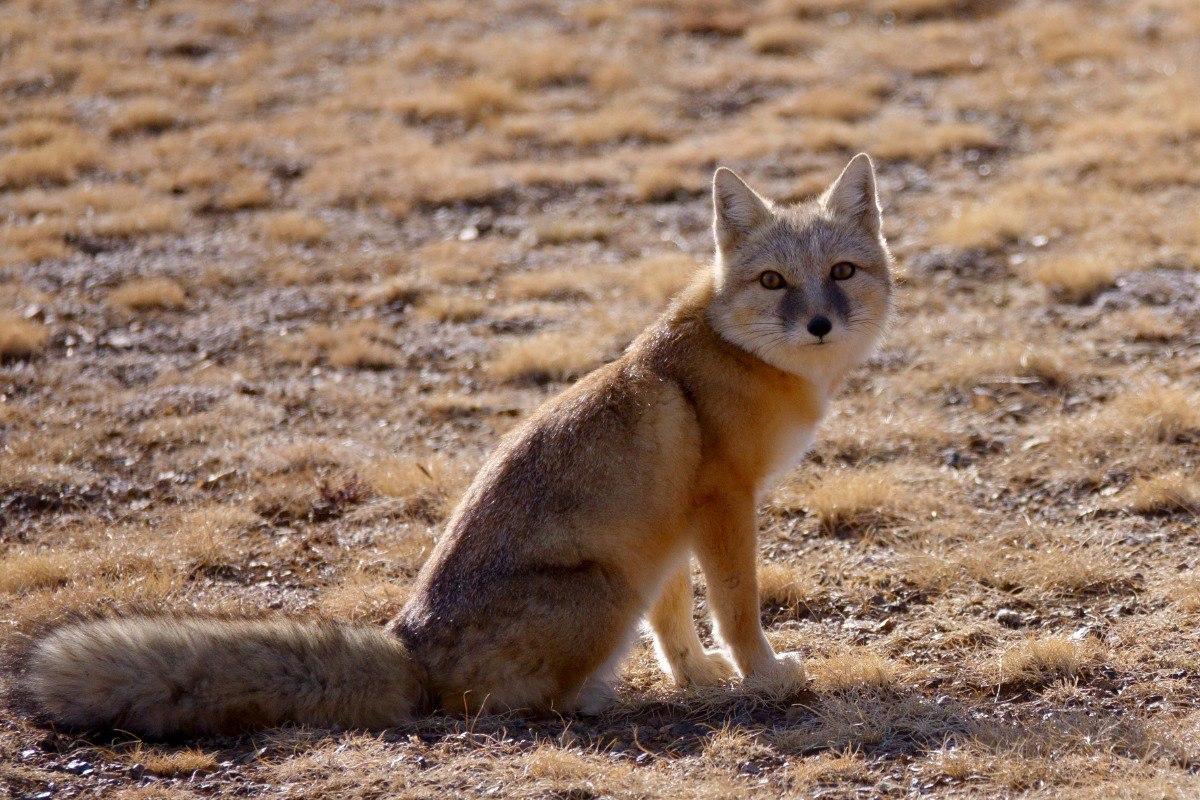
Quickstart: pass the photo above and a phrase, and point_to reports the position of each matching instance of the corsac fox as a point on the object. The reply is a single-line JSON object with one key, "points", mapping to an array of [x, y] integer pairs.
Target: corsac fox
{"points": [[581, 523]]}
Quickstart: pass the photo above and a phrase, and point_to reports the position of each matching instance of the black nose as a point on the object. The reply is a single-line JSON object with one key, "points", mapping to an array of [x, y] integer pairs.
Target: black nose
{"points": [[819, 326]]}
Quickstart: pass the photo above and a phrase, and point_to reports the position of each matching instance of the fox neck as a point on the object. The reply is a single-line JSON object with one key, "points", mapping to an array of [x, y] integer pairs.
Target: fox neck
{"points": [[757, 420]]}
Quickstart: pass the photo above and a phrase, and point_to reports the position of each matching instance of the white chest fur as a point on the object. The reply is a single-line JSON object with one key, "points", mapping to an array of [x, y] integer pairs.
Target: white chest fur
{"points": [[789, 448]]}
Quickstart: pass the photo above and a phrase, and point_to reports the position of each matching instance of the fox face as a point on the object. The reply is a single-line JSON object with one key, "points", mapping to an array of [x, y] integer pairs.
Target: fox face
{"points": [[806, 288]]}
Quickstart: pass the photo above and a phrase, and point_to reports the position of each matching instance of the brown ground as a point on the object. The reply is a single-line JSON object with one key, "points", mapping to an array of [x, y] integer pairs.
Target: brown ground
{"points": [[274, 276]]}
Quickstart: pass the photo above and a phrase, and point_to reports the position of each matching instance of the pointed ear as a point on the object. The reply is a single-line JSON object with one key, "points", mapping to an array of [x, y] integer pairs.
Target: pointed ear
{"points": [[737, 210], [852, 196]]}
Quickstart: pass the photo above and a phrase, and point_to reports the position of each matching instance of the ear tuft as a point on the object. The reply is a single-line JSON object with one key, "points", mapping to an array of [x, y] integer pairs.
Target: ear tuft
{"points": [[853, 197], [738, 211]]}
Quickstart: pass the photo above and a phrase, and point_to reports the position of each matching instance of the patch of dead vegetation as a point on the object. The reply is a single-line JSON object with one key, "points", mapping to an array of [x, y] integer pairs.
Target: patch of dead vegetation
{"points": [[392, 234], [148, 294], [1039, 661], [20, 337]]}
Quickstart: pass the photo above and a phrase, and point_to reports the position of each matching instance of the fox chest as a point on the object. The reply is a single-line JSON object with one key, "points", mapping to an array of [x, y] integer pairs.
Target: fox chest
{"points": [[783, 453]]}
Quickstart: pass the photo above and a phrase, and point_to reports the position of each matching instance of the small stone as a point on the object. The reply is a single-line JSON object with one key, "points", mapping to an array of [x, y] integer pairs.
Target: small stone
{"points": [[78, 766], [1009, 618]]}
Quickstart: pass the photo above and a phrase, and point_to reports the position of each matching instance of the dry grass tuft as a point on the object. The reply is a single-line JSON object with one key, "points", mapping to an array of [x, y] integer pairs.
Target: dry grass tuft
{"points": [[33, 571], [657, 183], [427, 486], [549, 356], [548, 762], [622, 121], [146, 115], [904, 138], [1152, 413], [1148, 325], [21, 338], [365, 601], [1169, 493], [294, 227], [785, 587], [1007, 364], [56, 162], [397, 292], [825, 769], [148, 294], [241, 192], [782, 37], [858, 500], [473, 100], [173, 763], [855, 669], [845, 103], [1184, 593], [452, 307], [358, 352], [1039, 661], [1076, 279], [731, 748], [927, 9], [566, 231], [657, 277], [984, 225]]}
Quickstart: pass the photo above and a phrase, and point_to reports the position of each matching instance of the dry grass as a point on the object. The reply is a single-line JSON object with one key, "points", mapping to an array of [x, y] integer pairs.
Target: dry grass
{"points": [[294, 227], [784, 587], [1008, 364], [1169, 493], [858, 501], [1149, 413], [1038, 661], [146, 115], [57, 161], [620, 122], [1076, 279], [391, 233], [855, 669], [21, 338], [782, 37], [148, 294], [427, 486], [846, 103], [550, 356], [25, 572], [184, 763], [658, 183], [452, 307]]}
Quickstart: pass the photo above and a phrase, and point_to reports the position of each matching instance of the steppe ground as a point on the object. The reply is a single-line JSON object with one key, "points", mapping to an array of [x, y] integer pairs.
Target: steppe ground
{"points": [[275, 276]]}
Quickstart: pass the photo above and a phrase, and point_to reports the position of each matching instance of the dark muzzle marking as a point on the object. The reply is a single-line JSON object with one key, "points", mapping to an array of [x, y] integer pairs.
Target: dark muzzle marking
{"points": [[791, 307]]}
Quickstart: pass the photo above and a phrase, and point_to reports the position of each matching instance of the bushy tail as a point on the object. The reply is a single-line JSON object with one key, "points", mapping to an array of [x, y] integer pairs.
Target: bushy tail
{"points": [[167, 677]]}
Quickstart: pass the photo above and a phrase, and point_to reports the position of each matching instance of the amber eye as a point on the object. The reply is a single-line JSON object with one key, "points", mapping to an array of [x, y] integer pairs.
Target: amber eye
{"points": [[842, 270], [772, 280]]}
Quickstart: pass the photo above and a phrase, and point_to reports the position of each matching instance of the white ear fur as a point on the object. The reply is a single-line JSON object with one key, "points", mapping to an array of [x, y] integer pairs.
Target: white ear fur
{"points": [[737, 210], [852, 196]]}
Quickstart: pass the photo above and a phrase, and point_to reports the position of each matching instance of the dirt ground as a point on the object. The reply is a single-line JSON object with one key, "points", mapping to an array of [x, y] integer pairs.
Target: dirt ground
{"points": [[274, 276]]}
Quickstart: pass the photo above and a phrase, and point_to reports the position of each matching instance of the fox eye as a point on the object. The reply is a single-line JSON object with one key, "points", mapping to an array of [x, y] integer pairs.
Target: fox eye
{"points": [[843, 270], [772, 280]]}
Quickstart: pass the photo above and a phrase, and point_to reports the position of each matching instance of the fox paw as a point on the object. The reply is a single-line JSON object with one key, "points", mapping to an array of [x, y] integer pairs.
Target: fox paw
{"points": [[710, 668], [780, 677]]}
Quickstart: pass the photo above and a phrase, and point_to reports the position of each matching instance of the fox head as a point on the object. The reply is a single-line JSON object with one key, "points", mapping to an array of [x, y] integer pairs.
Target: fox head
{"points": [[806, 288]]}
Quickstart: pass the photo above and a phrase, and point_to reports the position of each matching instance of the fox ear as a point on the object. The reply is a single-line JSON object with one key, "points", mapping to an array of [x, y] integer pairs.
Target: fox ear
{"points": [[852, 196], [738, 211]]}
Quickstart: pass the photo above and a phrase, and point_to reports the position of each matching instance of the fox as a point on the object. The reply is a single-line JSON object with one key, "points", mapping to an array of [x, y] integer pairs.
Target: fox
{"points": [[582, 523]]}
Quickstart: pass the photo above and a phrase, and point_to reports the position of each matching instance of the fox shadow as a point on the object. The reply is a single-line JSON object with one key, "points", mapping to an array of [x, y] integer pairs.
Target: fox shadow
{"points": [[876, 722]]}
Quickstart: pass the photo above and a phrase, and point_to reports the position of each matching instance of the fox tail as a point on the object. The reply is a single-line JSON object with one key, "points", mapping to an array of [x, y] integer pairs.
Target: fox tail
{"points": [[163, 677]]}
